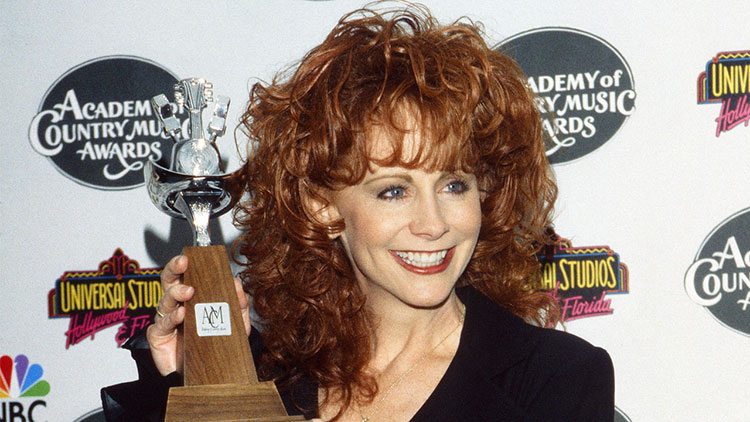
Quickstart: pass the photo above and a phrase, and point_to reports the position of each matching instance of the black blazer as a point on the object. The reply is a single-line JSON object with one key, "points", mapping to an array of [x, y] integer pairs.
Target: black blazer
{"points": [[507, 370], [504, 370]]}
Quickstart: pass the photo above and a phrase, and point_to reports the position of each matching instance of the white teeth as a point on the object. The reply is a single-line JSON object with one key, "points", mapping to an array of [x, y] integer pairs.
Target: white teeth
{"points": [[423, 259]]}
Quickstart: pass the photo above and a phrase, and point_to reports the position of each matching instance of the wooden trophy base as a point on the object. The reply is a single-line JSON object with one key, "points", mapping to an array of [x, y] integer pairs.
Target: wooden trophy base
{"points": [[220, 379], [252, 402]]}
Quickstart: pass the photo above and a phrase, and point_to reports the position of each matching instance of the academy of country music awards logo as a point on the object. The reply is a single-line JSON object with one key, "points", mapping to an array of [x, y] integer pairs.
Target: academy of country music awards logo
{"points": [[584, 87], [719, 277], [95, 123], [21, 388], [119, 292], [726, 80], [582, 277]]}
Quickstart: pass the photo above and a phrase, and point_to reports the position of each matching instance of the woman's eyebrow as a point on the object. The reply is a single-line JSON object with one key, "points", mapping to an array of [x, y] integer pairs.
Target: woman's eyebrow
{"points": [[407, 177], [397, 175]]}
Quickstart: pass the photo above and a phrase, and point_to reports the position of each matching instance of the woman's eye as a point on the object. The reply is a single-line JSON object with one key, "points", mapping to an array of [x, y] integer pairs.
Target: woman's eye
{"points": [[457, 186], [392, 192]]}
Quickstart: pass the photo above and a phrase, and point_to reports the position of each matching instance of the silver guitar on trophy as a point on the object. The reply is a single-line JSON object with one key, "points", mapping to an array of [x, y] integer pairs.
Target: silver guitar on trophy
{"points": [[194, 188]]}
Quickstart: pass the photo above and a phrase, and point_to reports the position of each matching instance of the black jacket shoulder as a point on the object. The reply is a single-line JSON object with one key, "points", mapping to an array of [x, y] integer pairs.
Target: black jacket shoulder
{"points": [[508, 370]]}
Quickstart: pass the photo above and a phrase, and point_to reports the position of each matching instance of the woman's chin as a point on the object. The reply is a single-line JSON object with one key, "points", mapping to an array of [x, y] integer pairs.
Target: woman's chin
{"points": [[433, 299]]}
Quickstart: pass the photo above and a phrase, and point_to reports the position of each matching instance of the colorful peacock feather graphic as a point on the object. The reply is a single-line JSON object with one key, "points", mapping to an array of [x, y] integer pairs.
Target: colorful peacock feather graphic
{"points": [[28, 377]]}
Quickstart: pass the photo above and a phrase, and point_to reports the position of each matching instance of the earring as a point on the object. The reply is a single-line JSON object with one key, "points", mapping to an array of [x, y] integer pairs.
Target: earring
{"points": [[332, 235]]}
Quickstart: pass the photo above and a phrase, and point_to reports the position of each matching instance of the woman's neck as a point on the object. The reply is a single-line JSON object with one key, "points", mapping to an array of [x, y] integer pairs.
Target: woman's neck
{"points": [[404, 333], [411, 350]]}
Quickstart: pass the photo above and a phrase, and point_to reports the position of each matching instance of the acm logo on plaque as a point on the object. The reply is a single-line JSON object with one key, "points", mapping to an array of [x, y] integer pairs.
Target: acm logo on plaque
{"points": [[719, 277], [584, 87], [95, 123]]}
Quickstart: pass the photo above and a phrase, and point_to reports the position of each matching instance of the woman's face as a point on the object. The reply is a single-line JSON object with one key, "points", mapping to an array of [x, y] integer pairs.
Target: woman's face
{"points": [[409, 234]]}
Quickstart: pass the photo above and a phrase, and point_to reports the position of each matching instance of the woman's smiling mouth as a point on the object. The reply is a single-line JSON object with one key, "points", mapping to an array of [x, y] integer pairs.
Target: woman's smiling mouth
{"points": [[424, 262]]}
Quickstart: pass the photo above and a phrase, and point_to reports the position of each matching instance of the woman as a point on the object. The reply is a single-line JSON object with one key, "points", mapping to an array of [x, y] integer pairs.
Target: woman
{"points": [[399, 191]]}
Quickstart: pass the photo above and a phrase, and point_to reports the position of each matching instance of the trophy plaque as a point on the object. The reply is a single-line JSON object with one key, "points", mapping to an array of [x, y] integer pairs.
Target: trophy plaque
{"points": [[220, 382]]}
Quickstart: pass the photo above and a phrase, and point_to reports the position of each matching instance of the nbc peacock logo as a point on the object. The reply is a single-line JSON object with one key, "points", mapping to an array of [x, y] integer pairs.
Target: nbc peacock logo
{"points": [[20, 382], [29, 378]]}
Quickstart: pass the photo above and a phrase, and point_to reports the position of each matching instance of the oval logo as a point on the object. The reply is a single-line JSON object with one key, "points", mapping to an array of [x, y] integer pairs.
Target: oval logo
{"points": [[620, 416], [719, 277], [92, 416], [584, 87], [95, 123]]}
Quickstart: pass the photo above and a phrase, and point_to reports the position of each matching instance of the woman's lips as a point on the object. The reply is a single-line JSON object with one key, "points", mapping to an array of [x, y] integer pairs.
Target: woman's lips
{"points": [[424, 269]]}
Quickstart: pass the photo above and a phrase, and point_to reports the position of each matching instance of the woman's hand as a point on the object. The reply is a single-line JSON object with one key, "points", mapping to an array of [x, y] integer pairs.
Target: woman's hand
{"points": [[163, 337]]}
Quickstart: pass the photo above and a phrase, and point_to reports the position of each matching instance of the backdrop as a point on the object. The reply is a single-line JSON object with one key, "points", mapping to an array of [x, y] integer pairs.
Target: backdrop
{"points": [[649, 101]]}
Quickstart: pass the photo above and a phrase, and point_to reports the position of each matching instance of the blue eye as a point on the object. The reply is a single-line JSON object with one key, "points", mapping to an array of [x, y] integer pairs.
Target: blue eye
{"points": [[392, 192], [457, 187]]}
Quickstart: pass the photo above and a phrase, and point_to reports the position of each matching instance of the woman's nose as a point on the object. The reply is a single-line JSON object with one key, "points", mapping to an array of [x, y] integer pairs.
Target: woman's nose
{"points": [[428, 219]]}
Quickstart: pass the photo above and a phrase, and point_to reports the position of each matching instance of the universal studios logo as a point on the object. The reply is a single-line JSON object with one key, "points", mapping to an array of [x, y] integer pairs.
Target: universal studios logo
{"points": [[95, 123], [726, 80], [719, 277]]}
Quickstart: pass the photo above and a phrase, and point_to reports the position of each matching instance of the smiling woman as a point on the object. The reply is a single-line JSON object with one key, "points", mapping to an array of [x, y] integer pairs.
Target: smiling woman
{"points": [[399, 193]]}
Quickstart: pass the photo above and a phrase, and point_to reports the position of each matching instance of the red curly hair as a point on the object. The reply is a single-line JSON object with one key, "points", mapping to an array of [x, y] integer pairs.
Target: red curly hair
{"points": [[309, 135]]}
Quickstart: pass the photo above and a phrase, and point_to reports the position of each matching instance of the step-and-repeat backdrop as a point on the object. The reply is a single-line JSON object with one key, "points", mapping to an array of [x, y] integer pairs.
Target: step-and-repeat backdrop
{"points": [[647, 104]]}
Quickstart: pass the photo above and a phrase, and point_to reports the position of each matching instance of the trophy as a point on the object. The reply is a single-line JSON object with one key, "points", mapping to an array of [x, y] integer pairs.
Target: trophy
{"points": [[220, 379]]}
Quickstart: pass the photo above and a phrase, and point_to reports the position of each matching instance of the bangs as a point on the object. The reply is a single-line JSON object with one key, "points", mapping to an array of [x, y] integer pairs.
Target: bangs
{"points": [[409, 136]]}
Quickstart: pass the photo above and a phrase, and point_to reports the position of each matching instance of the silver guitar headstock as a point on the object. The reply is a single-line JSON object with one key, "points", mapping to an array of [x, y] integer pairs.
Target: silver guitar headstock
{"points": [[195, 154]]}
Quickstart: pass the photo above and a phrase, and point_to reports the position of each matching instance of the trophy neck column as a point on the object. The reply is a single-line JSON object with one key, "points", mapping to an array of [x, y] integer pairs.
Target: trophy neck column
{"points": [[196, 207]]}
